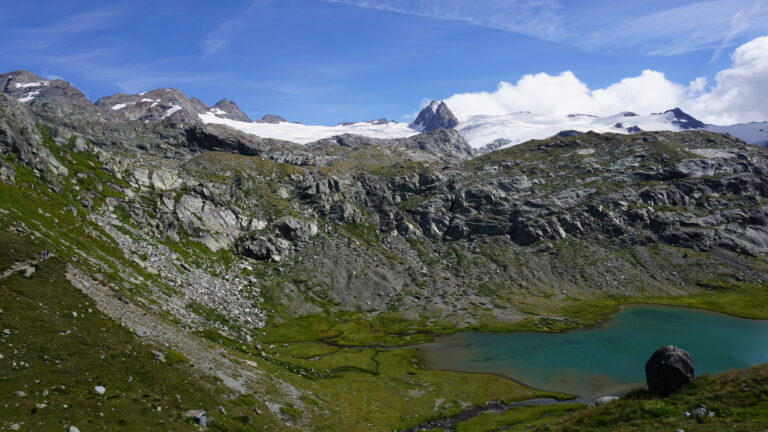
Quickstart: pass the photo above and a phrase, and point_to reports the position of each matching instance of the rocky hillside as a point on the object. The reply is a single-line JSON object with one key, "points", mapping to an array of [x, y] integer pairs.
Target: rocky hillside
{"points": [[412, 225], [260, 244]]}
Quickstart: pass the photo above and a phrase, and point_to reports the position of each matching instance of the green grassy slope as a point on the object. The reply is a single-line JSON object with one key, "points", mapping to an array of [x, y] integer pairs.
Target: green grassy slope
{"points": [[57, 358]]}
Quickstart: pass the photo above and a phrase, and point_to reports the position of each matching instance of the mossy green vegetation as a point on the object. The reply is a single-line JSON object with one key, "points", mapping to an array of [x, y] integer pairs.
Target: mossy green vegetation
{"points": [[402, 394], [15, 249], [353, 329], [375, 160], [365, 233], [223, 165], [173, 357], [518, 419]]}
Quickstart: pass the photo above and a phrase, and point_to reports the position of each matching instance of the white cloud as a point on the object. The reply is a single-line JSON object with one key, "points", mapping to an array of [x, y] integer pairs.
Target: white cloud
{"points": [[738, 94], [741, 91]]}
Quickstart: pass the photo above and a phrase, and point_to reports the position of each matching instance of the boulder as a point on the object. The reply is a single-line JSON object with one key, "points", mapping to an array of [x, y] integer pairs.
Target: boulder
{"points": [[7, 173], [263, 248], [668, 369], [295, 229], [345, 212]]}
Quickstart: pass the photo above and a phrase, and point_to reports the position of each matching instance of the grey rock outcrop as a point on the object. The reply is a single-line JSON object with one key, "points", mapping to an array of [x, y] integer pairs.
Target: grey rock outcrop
{"points": [[7, 173], [435, 116], [668, 369], [264, 248], [443, 141], [494, 145], [20, 136], [295, 229]]}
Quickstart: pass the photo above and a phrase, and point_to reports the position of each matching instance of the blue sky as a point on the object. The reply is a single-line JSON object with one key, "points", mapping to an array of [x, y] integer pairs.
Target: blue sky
{"points": [[327, 61]]}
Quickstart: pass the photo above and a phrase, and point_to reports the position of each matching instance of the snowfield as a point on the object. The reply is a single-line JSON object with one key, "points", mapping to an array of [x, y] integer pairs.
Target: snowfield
{"points": [[482, 130], [752, 133], [304, 134]]}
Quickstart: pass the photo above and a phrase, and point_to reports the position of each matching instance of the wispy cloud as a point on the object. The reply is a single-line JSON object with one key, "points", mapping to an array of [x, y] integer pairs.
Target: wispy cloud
{"points": [[68, 27], [741, 21], [643, 27], [540, 18], [218, 38]]}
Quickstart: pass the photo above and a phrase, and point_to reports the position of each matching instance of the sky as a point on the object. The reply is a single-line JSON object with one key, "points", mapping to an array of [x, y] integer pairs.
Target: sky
{"points": [[328, 61]]}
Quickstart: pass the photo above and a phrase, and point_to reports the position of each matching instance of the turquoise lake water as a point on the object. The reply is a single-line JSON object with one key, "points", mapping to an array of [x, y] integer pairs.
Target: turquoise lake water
{"points": [[609, 359]]}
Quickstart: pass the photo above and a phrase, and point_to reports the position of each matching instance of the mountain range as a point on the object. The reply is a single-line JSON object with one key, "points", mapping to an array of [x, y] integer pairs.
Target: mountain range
{"points": [[482, 132]]}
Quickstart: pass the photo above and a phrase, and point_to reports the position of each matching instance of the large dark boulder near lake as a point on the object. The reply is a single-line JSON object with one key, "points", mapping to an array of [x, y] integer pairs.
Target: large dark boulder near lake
{"points": [[668, 369]]}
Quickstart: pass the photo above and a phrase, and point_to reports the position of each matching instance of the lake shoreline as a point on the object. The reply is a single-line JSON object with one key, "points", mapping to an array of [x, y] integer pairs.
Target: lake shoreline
{"points": [[596, 367]]}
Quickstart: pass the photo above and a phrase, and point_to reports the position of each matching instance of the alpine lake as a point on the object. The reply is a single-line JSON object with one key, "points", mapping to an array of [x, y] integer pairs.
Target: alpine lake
{"points": [[607, 359]]}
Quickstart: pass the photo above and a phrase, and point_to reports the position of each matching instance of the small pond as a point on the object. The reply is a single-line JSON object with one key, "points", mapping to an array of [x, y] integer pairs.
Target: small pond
{"points": [[609, 359]]}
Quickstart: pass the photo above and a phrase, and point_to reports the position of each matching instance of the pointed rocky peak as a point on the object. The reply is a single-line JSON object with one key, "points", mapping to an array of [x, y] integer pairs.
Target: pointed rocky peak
{"points": [[272, 119], [152, 106], [225, 108], [683, 120], [435, 116]]}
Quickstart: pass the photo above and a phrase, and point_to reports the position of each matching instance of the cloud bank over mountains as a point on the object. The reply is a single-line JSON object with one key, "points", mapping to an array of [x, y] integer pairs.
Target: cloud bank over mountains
{"points": [[738, 94]]}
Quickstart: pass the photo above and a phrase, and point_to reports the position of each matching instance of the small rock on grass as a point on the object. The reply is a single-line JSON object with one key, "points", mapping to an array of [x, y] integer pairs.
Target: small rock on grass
{"points": [[605, 400], [159, 357]]}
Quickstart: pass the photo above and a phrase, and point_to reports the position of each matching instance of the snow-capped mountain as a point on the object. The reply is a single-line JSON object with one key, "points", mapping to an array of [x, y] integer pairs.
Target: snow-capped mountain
{"points": [[152, 106], [483, 132], [512, 129]]}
